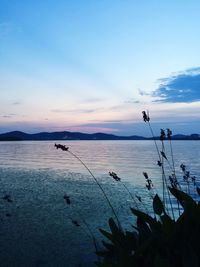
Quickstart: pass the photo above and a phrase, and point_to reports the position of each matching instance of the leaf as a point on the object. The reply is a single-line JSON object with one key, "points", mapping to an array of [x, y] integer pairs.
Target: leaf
{"points": [[116, 236], [113, 226], [198, 190], [131, 239], [182, 197], [117, 233], [168, 225], [135, 227], [158, 205], [108, 246], [108, 235], [163, 154], [151, 221], [143, 227], [166, 219]]}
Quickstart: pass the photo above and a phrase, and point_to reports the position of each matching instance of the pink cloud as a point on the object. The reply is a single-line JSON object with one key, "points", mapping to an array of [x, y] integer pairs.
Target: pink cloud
{"points": [[87, 129]]}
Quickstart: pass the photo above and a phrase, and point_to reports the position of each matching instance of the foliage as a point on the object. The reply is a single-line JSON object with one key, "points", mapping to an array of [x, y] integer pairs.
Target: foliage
{"points": [[171, 237], [158, 241]]}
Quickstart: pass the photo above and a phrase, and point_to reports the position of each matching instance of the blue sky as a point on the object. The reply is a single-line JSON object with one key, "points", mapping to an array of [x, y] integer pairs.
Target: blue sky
{"points": [[93, 65]]}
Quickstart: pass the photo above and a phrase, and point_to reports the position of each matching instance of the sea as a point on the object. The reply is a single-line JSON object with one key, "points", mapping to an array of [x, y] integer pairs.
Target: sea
{"points": [[39, 228]]}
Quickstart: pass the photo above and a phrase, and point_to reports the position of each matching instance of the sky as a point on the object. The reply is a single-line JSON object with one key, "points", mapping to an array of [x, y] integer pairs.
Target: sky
{"points": [[95, 65]]}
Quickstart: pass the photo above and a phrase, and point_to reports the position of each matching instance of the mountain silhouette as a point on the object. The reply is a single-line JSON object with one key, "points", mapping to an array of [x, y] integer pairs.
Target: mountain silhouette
{"points": [[66, 135]]}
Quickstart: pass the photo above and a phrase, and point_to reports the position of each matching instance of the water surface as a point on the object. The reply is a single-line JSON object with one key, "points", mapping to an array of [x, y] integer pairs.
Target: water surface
{"points": [[36, 228]]}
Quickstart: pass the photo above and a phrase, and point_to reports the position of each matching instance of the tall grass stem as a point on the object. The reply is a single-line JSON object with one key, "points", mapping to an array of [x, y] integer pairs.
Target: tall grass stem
{"points": [[99, 185]]}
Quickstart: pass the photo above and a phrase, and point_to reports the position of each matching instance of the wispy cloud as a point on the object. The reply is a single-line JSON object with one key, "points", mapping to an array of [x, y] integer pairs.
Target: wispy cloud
{"points": [[132, 101], [75, 111], [8, 116], [106, 121], [93, 100], [116, 107], [92, 129], [179, 88], [16, 103], [121, 127], [142, 92]]}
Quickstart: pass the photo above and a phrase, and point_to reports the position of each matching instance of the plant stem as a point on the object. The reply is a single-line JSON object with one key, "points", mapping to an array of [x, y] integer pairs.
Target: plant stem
{"points": [[91, 233], [165, 180], [161, 160], [130, 195], [99, 185], [172, 155], [152, 133]]}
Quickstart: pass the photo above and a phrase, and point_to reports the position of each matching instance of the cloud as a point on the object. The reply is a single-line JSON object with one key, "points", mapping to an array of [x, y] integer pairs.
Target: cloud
{"points": [[93, 100], [74, 111], [143, 92], [179, 88], [121, 127], [8, 116], [113, 121], [117, 107], [132, 101], [16, 103], [92, 129]]}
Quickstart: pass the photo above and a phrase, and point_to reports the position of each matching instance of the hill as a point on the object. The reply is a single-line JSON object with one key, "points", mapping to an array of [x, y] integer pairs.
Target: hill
{"points": [[21, 136], [66, 135]]}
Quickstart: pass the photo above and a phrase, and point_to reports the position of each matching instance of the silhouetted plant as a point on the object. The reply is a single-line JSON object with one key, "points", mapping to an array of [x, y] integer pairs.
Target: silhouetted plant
{"points": [[161, 238], [64, 148], [118, 179], [158, 241]]}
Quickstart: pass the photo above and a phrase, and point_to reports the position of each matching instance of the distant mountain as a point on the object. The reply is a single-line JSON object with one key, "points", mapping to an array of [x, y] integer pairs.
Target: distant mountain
{"points": [[186, 137], [21, 136]]}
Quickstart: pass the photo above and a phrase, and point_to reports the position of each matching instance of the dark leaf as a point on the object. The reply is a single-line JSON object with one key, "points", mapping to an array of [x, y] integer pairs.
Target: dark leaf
{"points": [[158, 205], [198, 191], [108, 245], [143, 227], [113, 227], [148, 219], [182, 197], [163, 154], [107, 234]]}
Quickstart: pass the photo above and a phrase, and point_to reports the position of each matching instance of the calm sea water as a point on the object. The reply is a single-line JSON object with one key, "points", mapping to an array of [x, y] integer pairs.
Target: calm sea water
{"points": [[36, 227]]}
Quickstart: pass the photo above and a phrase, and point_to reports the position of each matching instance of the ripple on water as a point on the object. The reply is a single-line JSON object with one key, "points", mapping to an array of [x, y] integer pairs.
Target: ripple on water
{"points": [[36, 175]]}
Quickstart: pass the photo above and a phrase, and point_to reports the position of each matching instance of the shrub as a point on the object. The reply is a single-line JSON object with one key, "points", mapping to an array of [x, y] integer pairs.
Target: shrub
{"points": [[165, 239], [158, 241]]}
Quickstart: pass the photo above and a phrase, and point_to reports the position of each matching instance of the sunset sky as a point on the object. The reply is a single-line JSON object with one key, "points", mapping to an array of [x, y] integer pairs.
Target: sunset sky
{"points": [[94, 65]]}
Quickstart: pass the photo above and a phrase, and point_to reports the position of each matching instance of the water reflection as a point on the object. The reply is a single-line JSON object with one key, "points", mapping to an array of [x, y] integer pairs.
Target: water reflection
{"points": [[37, 176]]}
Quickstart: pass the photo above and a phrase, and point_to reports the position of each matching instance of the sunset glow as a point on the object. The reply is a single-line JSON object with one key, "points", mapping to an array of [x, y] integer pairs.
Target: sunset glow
{"points": [[93, 66]]}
